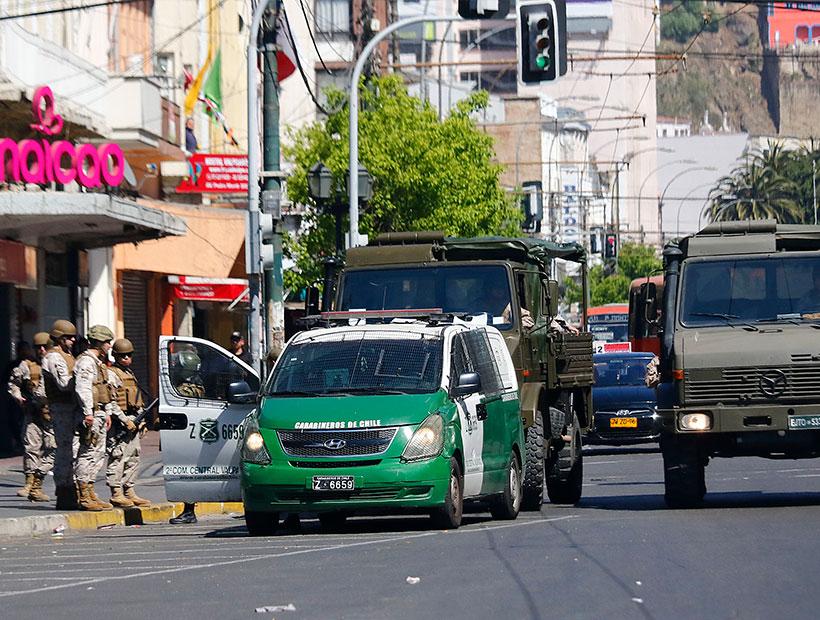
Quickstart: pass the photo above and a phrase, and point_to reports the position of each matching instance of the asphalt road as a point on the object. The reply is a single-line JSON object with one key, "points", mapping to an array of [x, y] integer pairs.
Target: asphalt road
{"points": [[751, 552]]}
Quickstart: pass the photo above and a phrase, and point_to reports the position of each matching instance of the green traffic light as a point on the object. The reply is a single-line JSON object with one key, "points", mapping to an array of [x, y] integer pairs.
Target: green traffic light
{"points": [[542, 62]]}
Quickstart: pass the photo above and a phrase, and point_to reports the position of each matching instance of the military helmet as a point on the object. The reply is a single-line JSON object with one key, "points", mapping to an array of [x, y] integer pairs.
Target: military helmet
{"points": [[123, 345], [61, 328], [100, 333], [41, 339], [188, 364]]}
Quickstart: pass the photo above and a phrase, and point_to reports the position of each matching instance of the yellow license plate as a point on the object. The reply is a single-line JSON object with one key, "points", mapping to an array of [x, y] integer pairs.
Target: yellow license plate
{"points": [[623, 422]]}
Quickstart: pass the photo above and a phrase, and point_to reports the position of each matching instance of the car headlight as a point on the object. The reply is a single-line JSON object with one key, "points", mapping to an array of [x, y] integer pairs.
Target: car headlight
{"points": [[427, 441], [695, 422], [253, 448]]}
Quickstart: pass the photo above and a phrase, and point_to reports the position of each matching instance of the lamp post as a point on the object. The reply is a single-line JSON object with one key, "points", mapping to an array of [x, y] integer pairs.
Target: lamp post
{"points": [[665, 189], [682, 200], [649, 176]]}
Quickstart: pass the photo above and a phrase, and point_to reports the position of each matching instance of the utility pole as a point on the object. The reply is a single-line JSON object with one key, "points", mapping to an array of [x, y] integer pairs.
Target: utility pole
{"points": [[274, 306]]}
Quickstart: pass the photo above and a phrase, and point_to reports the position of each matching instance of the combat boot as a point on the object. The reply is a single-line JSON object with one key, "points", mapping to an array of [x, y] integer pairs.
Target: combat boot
{"points": [[96, 498], [27, 486], [118, 499], [36, 494], [131, 494], [86, 501], [67, 498]]}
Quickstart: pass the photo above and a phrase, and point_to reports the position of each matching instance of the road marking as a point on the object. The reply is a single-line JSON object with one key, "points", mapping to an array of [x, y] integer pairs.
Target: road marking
{"points": [[179, 569]]}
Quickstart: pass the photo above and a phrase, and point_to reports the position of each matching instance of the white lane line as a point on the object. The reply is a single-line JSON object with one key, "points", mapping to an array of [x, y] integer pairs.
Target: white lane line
{"points": [[808, 476], [179, 569]]}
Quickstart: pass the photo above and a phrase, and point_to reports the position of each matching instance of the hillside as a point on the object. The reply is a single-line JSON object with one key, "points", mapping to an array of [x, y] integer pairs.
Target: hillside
{"points": [[722, 71]]}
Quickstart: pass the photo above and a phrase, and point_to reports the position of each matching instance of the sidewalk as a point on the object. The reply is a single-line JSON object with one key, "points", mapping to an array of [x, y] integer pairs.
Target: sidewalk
{"points": [[20, 517]]}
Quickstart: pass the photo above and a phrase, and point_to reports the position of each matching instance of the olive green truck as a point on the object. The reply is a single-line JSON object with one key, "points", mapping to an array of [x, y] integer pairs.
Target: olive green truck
{"points": [[739, 349], [506, 282]]}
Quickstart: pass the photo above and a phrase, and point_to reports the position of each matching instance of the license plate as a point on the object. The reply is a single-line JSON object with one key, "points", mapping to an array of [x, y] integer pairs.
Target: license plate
{"points": [[332, 483], [804, 422], [623, 422]]}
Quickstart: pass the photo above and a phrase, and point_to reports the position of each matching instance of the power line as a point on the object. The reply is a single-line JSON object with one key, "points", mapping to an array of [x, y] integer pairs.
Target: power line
{"points": [[66, 9]]}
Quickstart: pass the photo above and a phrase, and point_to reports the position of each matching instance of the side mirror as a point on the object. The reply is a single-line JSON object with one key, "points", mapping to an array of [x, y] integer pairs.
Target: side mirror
{"points": [[240, 393], [311, 301], [468, 383], [552, 297], [649, 301]]}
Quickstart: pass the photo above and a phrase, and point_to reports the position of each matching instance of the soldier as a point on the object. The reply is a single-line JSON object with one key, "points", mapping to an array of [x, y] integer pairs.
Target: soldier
{"points": [[94, 395], [124, 452], [38, 433], [57, 387]]}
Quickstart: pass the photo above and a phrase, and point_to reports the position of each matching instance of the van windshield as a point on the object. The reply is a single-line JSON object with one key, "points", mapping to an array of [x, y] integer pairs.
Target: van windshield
{"points": [[459, 289], [727, 291], [361, 362]]}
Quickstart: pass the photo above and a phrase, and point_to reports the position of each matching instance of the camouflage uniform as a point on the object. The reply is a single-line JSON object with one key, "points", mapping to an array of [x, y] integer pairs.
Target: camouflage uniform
{"points": [[57, 387], [38, 437], [124, 454], [93, 394]]}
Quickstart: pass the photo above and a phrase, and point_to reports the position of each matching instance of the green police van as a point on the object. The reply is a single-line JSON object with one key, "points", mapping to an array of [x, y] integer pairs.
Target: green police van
{"points": [[411, 415]]}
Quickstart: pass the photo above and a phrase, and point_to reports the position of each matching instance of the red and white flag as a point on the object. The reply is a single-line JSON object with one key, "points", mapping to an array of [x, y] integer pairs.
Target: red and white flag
{"points": [[289, 55]]}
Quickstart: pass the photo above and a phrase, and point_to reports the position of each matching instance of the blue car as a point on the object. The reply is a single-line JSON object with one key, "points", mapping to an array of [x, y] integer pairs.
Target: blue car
{"points": [[624, 407]]}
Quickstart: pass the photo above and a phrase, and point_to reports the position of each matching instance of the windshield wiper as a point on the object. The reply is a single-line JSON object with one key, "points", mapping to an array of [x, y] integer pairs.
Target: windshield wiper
{"points": [[792, 317], [725, 317], [294, 393], [376, 391]]}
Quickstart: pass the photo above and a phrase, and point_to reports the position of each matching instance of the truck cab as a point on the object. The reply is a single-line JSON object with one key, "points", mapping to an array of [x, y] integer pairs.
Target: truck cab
{"points": [[739, 352]]}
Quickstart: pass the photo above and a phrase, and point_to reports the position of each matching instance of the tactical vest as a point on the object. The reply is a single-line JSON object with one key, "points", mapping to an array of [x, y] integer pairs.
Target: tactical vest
{"points": [[100, 388], [53, 393], [30, 385], [128, 396]]}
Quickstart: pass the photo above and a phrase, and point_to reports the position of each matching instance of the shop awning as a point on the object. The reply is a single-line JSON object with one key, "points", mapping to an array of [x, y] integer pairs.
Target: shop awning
{"points": [[209, 289], [60, 220]]}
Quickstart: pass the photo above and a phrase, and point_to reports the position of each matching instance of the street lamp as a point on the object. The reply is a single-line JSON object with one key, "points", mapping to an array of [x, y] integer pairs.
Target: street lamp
{"points": [[682, 200], [329, 195], [663, 195], [649, 176]]}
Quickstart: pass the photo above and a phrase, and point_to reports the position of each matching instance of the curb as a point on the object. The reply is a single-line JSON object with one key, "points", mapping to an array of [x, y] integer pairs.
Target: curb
{"points": [[56, 524]]}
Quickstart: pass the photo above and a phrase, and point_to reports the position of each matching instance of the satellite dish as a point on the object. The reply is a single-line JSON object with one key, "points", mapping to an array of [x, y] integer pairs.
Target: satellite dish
{"points": [[128, 174]]}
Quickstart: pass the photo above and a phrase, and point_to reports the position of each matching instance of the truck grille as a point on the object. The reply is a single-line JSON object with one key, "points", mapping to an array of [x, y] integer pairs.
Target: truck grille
{"points": [[353, 443], [744, 384]]}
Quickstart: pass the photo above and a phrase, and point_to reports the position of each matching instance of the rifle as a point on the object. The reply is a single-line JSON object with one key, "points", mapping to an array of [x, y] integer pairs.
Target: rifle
{"points": [[138, 421]]}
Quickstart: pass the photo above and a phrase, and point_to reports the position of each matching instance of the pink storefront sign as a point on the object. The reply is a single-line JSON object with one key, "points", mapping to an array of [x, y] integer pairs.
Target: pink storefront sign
{"points": [[41, 161]]}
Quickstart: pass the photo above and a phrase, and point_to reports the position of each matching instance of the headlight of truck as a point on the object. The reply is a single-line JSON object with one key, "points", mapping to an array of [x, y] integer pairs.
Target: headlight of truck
{"points": [[427, 441], [253, 448], [695, 422]]}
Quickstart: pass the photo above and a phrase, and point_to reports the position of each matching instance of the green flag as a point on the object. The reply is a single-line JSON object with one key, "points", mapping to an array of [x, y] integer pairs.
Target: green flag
{"points": [[212, 90]]}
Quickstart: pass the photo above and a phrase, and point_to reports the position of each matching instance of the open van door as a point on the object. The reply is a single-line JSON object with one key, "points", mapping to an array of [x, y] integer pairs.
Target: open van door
{"points": [[205, 393]]}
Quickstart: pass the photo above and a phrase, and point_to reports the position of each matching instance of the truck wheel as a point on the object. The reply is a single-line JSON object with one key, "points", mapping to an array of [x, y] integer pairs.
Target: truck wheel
{"points": [[533, 488], [507, 505], [684, 476], [261, 523], [565, 480], [448, 516]]}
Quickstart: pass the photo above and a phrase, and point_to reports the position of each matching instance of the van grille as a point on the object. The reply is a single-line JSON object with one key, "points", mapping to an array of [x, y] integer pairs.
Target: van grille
{"points": [[743, 384], [353, 443]]}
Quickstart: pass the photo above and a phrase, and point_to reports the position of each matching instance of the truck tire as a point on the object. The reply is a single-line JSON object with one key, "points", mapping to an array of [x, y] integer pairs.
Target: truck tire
{"points": [[261, 523], [507, 505], [565, 479], [448, 516], [533, 488], [684, 477]]}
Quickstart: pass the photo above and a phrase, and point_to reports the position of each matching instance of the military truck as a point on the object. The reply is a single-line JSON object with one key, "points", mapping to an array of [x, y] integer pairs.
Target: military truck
{"points": [[739, 353], [507, 282]]}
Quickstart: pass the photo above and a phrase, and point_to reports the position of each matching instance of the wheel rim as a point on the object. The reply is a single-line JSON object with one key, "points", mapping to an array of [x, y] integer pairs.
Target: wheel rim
{"points": [[455, 494], [515, 486]]}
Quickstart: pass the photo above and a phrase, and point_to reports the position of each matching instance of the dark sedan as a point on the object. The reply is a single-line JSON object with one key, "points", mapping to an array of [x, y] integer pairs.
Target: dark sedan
{"points": [[624, 406]]}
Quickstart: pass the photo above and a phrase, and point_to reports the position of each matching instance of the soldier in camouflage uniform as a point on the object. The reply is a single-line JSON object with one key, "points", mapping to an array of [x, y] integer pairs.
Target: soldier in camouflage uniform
{"points": [[124, 452], [38, 433], [91, 384], [56, 386]]}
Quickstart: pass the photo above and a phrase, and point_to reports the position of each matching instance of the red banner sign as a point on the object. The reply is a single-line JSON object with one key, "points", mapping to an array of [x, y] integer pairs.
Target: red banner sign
{"points": [[209, 289], [215, 174]]}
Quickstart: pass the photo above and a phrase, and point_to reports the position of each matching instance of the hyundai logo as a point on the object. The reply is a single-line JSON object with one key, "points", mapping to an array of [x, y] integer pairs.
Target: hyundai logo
{"points": [[773, 382], [335, 444]]}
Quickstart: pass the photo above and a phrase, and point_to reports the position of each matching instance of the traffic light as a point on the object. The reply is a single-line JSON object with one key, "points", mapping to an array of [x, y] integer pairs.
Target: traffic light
{"points": [[483, 9], [541, 34], [267, 232], [532, 206], [611, 245]]}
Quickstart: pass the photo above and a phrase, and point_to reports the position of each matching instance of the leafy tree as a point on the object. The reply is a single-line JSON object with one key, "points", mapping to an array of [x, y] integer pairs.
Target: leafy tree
{"points": [[605, 287], [685, 19], [428, 174]]}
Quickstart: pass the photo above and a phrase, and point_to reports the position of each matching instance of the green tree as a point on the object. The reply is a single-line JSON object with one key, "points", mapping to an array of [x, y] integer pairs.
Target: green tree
{"points": [[685, 19], [428, 174], [605, 287]]}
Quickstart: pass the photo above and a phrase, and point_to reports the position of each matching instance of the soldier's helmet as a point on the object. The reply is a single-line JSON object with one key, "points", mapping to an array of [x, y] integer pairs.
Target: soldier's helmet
{"points": [[100, 333], [188, 364], [61, 328], [41, 339], [123, 345]]}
